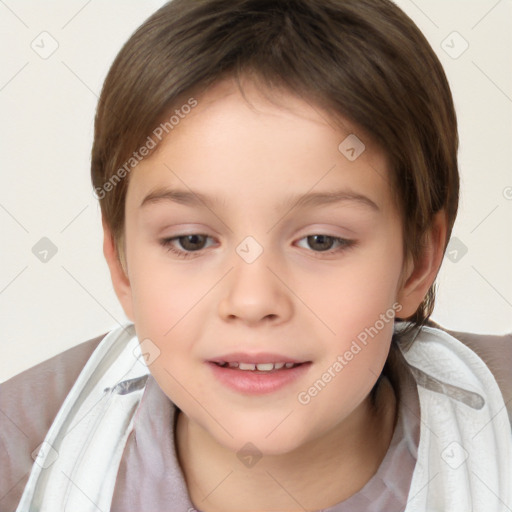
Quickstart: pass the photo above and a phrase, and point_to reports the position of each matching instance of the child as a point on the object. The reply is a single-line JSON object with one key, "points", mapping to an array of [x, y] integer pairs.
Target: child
{"points": [[263, 372]]}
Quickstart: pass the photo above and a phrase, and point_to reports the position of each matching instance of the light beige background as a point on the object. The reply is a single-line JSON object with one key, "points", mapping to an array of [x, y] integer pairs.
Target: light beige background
{"points": [[48, 107]]}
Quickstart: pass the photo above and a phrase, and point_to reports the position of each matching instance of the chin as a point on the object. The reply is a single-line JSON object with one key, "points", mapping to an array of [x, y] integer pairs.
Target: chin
{"points": [[262, 437]]}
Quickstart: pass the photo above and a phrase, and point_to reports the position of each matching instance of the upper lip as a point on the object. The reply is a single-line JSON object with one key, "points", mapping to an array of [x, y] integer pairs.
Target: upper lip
{"points": [[261, 357]]}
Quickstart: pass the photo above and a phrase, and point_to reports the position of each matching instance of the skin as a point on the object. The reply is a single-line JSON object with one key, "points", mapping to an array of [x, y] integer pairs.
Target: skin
{"points": [[294, 299]]}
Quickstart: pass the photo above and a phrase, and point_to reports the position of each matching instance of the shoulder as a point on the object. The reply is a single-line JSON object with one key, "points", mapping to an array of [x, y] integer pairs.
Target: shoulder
{"points": [[29, 403], [496, 352]]}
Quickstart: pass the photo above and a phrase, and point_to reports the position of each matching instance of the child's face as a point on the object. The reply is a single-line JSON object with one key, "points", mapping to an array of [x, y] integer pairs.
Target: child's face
{"points": [[292, 302]]}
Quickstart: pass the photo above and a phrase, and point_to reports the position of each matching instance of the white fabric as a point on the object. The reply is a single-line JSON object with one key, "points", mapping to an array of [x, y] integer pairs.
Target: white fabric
{"points": [[465, 450], [77, 467], [464, 455]]}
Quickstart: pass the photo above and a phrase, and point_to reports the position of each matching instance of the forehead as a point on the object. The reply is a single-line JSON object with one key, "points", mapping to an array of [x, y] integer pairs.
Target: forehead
{"points": [[236, 144]]}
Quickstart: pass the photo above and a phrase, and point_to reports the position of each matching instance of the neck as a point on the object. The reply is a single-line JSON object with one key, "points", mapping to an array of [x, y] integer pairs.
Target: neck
{"points": [[314, 476]]}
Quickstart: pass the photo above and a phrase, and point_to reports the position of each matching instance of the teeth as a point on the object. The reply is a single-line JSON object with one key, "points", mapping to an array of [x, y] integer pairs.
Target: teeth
{"points": [[265, 367], [246, 366], [262, 367]]}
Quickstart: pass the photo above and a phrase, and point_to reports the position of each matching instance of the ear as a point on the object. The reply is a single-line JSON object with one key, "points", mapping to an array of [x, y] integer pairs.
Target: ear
{"points": [[418, 276], [118, 274]]}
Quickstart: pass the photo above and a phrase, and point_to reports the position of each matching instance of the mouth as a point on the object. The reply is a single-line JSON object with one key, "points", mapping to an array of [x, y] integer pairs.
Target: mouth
{"points": [[257, 374]]}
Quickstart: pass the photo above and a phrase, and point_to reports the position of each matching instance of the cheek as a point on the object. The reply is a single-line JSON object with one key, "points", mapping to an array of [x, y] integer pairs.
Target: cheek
{"points": [[345, 380], [356, 306], [161, 293], [352, 296], [362, 318], [164, 307], [168, 308]]}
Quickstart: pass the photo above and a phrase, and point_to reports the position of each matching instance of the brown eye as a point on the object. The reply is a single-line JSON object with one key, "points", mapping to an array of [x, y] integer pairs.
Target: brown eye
{"points": [[326, 244], [320, 242], [192, 242], [187, 246]]}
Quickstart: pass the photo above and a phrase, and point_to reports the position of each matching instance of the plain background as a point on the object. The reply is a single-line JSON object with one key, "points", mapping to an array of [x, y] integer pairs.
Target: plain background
{"points": [[48, 107]]}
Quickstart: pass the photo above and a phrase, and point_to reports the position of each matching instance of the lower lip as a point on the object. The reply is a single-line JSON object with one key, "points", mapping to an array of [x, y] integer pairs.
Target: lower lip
{"points": [[257, 383]]}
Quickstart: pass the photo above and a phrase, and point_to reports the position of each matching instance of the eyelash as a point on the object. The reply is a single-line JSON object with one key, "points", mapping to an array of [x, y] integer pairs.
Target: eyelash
{"points": [[345, 244]]}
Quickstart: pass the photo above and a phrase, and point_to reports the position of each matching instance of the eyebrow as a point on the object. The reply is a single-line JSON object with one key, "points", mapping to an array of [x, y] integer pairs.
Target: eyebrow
{"points": [[309, 199]]}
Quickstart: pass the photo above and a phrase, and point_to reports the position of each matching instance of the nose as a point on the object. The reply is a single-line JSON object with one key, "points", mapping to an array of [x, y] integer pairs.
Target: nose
{"points": [[253, 294]]}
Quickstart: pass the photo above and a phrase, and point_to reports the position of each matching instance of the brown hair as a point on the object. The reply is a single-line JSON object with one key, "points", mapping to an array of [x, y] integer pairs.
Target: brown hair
{"points": [[361, 60]]}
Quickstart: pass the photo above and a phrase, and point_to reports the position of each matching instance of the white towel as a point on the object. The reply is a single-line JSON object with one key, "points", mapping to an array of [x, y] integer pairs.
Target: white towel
{"points": [[78, 462], [465, 450]]}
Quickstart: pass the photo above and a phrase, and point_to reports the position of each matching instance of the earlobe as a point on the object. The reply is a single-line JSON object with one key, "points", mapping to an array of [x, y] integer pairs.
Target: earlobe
{"points": [[422, 273], [118, 274]]}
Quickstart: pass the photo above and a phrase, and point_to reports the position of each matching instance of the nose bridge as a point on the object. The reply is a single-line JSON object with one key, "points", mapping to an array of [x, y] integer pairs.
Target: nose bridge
{"points": [[253, 292]]}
